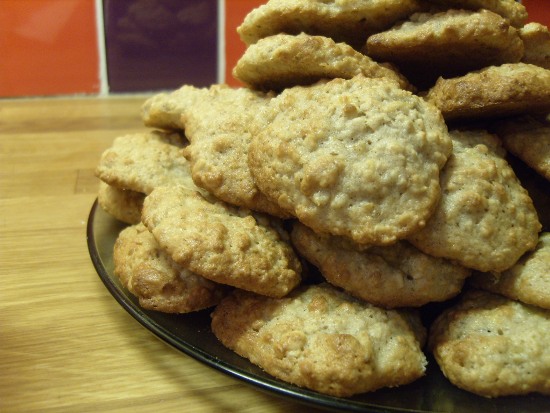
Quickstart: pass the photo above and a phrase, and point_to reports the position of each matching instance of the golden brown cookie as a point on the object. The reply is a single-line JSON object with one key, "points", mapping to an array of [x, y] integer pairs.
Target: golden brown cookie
{"points": [[447, 44], [397, 275], [220, 128], [536, 40], [159, 283], [358, 158], [321, 339], [493, 346], [345, 21], [495, 91], [123, 204], [536, 185], [282, 60], [527, 281], [485, 219], [164, 110], [143, 161], [529, 139], [512, 10], [221, 243]]}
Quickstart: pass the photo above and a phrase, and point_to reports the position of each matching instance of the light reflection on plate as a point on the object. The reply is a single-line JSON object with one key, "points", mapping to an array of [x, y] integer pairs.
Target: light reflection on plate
{"points": [[191, 334]]}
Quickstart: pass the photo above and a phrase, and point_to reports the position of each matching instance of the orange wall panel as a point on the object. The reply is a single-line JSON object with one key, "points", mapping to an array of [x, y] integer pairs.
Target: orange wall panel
{"points": [[539, 11], [235, 12], [48, 47]]}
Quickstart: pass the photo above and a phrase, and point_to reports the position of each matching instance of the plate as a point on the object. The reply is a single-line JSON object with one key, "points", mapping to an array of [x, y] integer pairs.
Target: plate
{"points": [[191, 334]]}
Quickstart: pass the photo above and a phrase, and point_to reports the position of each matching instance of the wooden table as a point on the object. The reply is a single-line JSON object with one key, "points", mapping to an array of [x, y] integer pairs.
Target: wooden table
{"points": [[65, 344]]}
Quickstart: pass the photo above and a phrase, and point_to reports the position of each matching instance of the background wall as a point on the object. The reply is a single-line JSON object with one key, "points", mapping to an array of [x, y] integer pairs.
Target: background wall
{"points": [[64, 47]]}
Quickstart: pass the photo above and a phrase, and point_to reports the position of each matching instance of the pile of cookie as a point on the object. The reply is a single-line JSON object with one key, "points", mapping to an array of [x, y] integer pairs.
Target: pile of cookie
{"points": [[361, 174]]}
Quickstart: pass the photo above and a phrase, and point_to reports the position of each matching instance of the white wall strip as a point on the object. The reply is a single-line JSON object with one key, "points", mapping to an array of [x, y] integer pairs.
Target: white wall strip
{"points": [[103, 79], [221, 41]]}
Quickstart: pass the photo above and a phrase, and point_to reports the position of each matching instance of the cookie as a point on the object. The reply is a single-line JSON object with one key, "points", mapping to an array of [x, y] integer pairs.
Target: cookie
{"points": [[221, 243], [143, 161], [536, 41], [159, 283], [220, 128], [495, 91], [163, 110], [512, 10], [358, 158], [527, 281], [321, 339], [447, 44], [123, 204], [485, 219], [345, 21], [398, 275], [529, 139], [282, 60], [493, 346]]}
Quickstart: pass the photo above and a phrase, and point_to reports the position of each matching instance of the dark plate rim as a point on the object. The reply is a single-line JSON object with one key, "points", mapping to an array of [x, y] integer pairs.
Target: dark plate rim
{"points": [[265, 383], [272, 386]]}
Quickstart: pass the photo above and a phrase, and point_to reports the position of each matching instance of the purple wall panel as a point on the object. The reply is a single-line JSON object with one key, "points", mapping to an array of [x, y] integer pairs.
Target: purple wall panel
{"points": [[160, 44]]}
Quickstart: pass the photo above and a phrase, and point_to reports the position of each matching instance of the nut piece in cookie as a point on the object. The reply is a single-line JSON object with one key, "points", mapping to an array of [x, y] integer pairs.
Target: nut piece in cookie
{"points": [[536, 41], [282, 60], [220, 128], [358, 158], [447, 44], [512, 10], [485, 219], [164, 110], [527, 281], [397, 275], [143, 161], [348, 21], [495, 91], [159, 283], [493, 346], [123, 204], [529, 139], [222, 243], [322, 339]]}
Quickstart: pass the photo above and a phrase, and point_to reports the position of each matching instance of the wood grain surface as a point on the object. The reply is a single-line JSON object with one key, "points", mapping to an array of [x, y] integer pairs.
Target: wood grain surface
{"points": [[65, 344]]}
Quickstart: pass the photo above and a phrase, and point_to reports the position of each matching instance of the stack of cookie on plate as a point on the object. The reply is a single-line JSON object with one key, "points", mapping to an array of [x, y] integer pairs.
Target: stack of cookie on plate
{"points": [[361, 174]]}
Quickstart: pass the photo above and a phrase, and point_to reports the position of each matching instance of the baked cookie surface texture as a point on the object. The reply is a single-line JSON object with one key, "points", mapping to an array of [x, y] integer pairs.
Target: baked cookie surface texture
{"points": [[527, 281], [536, 41], [322, 339], [493, 346], [123, 204], [447, 44], [164, 110], [222, 243], [397, 275], [495, 91], [284, 60], [143, 161], [159, 283], [529, 139], [512, 10], [485, 219], [220, 128], [348, 21], [358, 158]]}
